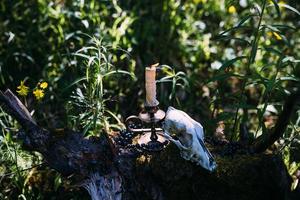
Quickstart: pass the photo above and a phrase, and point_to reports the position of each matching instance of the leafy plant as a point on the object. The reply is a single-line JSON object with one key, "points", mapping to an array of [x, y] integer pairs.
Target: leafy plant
{"points": [[256, 63], [89, 99], [14, 163], [177, 80]]}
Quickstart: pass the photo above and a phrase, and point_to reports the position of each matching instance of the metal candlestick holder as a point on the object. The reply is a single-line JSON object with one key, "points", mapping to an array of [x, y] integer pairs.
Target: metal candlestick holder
{"points": [[147, 125]]}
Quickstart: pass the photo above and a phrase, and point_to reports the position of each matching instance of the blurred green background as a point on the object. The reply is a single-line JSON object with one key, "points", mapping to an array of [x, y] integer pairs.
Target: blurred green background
{"points": [[238, 77]]}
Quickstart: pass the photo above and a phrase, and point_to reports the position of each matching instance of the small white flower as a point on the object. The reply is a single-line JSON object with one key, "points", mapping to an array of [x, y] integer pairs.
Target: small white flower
{"points": [[216, 65]]}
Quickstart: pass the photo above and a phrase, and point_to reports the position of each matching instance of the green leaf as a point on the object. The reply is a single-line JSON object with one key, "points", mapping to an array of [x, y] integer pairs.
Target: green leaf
{"points": [[273, 50], [241, 105], [271, 27], [24, 55], [289, 7], [294, 184], [81, 55], [74, 82], [290, 59], [289, 78], [224, 116], [114, 116], [244, 19], [85, 49], [223, 76], [277, 8], [164, 80], [283, 26], [57, 182], [91, 60], [266, 66], [120, 72], [231, 62], [253, 52], [228, 37], [233, 28], [87, 127]]}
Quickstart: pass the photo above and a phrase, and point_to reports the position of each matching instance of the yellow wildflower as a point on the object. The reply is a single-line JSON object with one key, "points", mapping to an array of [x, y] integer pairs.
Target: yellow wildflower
{"points": [[277, 36], [269, 33], [231, 10], [22, 89], [199, 1], [44, 85], [39, 94]]}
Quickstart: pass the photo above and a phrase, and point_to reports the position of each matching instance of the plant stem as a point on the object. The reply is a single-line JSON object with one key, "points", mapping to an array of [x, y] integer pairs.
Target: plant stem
{"points": [[267, 95], [249, 62]]}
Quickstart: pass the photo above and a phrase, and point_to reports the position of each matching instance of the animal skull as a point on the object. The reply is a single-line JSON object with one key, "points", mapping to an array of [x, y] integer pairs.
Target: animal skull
{"points": [[190, 134]]}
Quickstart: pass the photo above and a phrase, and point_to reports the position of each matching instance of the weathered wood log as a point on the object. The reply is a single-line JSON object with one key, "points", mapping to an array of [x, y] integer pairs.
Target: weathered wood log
{"points": [[163, 175], [70, 153]]}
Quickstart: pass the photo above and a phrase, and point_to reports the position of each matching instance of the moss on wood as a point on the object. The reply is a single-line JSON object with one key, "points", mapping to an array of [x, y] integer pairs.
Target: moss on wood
{"points": [[242, 177]]}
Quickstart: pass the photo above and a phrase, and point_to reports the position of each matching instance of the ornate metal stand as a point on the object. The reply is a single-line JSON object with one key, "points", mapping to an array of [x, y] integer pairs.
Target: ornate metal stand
{"points": [[148, 125]]}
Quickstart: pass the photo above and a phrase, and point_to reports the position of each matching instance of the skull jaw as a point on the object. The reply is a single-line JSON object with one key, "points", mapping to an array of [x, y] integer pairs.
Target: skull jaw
{"points": [[194, 155]]}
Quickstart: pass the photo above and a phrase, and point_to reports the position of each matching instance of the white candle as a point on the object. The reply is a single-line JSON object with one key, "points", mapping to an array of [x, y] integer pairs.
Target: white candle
{"points": [[150, 85]]}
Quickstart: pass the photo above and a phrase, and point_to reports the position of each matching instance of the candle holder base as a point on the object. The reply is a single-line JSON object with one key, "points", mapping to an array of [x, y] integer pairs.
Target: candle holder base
{"points": [[148, 126], [153, 146], [145, 143]]}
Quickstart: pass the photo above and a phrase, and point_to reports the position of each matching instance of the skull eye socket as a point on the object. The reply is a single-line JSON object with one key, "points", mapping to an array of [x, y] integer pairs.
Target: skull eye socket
{"points": [[185, 139], [179, 135]]}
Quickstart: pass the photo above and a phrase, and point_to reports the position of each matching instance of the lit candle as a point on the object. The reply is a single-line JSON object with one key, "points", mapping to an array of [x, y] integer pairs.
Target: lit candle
{"points": [[150, 85]]}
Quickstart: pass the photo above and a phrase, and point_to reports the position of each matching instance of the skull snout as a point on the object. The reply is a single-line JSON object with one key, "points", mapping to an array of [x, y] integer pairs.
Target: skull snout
{"points": [[207, 161]]}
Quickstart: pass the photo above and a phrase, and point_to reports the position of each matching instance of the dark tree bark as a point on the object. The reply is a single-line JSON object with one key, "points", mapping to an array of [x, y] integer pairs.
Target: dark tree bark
{"points": [[265, 141], [159, 176]]}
